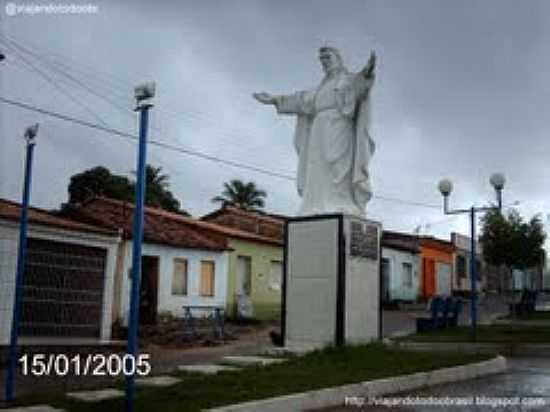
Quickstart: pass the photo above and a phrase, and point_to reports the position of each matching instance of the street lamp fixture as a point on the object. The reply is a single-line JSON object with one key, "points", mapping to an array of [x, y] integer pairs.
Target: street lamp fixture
{"points": [[144, 93], [497, 181], [445, 187], [2, 56], [30, 134]]}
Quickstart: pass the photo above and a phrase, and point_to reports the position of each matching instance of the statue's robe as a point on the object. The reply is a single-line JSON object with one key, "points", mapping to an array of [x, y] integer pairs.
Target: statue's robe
{"points": [[333, 143]]}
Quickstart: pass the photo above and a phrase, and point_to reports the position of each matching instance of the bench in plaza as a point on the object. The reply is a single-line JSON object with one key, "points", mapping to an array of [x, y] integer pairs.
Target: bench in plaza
{"points": [[526, 305], [443, 313], [215, 314]]}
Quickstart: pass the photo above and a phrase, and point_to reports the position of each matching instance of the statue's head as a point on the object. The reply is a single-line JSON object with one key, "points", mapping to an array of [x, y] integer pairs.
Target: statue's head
{"points": [[330, 58]]}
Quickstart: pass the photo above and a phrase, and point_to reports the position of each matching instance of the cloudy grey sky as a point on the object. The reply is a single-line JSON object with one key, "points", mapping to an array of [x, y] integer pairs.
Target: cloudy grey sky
{"points": [[462, 90]]}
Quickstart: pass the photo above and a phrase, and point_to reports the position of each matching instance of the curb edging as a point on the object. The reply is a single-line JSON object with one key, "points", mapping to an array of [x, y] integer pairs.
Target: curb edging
{"points": [[507, 349], [335, 396]]}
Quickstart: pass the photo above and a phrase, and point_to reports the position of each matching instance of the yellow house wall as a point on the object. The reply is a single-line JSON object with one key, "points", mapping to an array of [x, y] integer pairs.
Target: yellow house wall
{"points": [[266, 302]]}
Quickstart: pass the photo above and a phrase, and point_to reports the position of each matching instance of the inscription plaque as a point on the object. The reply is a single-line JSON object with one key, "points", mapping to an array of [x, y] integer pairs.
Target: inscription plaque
{"points": [[363, 241]]}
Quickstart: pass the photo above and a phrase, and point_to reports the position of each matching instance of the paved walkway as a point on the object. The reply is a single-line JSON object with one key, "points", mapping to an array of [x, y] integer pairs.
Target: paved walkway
{"points": [[166, 360], [163, 360], [527, 378]]}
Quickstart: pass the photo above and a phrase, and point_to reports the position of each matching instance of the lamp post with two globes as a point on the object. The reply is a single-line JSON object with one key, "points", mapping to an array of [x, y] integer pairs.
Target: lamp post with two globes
{"points": [[445, 186]]}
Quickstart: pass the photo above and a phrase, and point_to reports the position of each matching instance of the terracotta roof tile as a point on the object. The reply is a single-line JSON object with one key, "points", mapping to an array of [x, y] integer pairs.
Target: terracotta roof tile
{"points": [[253, 222], [162, 226], [12, 211], [435, 243], [401, 241]]}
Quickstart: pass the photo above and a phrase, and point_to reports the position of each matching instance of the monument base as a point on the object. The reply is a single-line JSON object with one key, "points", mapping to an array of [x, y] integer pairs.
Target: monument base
{"points": [[331, 286]]}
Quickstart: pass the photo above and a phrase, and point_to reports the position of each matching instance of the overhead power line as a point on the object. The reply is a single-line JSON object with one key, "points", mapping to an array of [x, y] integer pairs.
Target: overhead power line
{"points": [[191, 116], [52, 81], [179, 149], [135, 137]]}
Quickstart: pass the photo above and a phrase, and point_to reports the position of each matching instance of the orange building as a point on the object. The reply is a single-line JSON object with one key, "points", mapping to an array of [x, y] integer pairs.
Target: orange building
{"points": [[436, 266]]}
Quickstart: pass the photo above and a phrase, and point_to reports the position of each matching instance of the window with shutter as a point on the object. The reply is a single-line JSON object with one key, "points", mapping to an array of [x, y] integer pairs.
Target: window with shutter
{"points": [[179, 277], [207, 285]]}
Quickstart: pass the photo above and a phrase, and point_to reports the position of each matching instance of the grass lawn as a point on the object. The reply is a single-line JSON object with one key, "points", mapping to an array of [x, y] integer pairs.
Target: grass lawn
{"points": [[487, 334], [531, 316], [327, 368]]}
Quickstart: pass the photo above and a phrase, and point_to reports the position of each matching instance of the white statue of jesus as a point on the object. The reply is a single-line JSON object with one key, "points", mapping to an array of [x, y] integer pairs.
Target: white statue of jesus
{"points": [[332, 137]]}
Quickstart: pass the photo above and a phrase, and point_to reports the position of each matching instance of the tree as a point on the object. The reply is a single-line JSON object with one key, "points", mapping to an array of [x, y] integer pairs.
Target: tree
{"points": [[158, 193], [243, 195], [511, 242], [99, 181]]}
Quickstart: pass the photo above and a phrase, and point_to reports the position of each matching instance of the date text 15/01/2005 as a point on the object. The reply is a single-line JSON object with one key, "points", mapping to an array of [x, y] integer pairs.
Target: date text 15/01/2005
{"points": [[85, 365]]}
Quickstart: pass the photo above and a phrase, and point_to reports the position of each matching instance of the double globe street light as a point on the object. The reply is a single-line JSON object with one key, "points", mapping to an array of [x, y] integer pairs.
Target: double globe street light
{"points": [[445, 186]]}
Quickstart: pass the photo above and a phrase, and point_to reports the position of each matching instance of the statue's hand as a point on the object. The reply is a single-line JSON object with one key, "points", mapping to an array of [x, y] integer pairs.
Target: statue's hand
{"points": [[368, 71], [264, 98], [372, 60]]}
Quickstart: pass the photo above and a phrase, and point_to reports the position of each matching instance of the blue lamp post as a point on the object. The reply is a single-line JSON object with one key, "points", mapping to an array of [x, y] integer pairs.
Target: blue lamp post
{"points": [[445, 186], [143, 95], [30, 137]]}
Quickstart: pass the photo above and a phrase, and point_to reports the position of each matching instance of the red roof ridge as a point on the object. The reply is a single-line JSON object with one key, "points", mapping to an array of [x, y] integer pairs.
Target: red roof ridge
{"points": [[255, 213], [48, 218], [231, 232], [248, 213]]}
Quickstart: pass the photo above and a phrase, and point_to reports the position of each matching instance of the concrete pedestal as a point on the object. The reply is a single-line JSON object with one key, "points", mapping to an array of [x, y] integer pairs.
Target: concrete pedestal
{"points": [[331, 288]]}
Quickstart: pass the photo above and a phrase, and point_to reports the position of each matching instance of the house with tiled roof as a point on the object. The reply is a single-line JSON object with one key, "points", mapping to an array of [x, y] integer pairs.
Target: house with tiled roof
{"points": [[436, 267], [255, 263], [184, 262], [400, 259], [253, 221], [68, 277]]}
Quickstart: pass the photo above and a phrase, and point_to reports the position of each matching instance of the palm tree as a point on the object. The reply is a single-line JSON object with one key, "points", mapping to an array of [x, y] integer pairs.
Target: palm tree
{"points": [[155, 178], [243, 195], [157, 193]]}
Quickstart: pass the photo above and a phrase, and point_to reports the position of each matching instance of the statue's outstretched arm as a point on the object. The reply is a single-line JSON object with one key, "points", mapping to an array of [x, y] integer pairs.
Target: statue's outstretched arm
{"points": [[300, 103], [264, 98]]}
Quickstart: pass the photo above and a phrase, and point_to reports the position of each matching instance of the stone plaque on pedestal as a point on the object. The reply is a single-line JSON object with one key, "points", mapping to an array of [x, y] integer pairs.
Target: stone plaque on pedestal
{"points": [[331, 288]]}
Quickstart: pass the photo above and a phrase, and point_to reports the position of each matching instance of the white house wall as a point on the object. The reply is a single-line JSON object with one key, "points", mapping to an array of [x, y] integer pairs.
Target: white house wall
{"points": [[397, 288], [174, 303], [9, 240], [463, 245], [465, 283], [524, 279], [8, 264]]}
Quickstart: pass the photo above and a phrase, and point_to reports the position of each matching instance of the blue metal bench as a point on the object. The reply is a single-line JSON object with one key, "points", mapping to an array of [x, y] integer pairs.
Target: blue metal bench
{"points": [[526, 305], [424, 324], [454, 312]]}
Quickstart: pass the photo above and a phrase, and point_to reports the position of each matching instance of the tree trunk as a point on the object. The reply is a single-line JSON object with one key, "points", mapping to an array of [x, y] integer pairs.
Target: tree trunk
{"points": [[513, 291]]}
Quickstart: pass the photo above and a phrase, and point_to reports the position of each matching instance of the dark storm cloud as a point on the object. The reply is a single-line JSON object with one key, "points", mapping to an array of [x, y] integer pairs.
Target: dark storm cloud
{"points": [[462, 91]]}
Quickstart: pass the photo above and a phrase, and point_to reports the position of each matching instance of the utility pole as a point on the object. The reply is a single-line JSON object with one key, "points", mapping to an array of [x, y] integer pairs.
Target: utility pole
{"points": [[30, 138], [143, 95]]}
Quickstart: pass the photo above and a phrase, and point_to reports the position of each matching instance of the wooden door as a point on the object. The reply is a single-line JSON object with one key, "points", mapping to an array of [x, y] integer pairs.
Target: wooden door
{"points": [[148, 304], [428, 277]]}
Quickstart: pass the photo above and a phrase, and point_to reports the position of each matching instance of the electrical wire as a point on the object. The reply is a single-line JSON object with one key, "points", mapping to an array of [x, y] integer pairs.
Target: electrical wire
{"points": [[185, 151]]}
